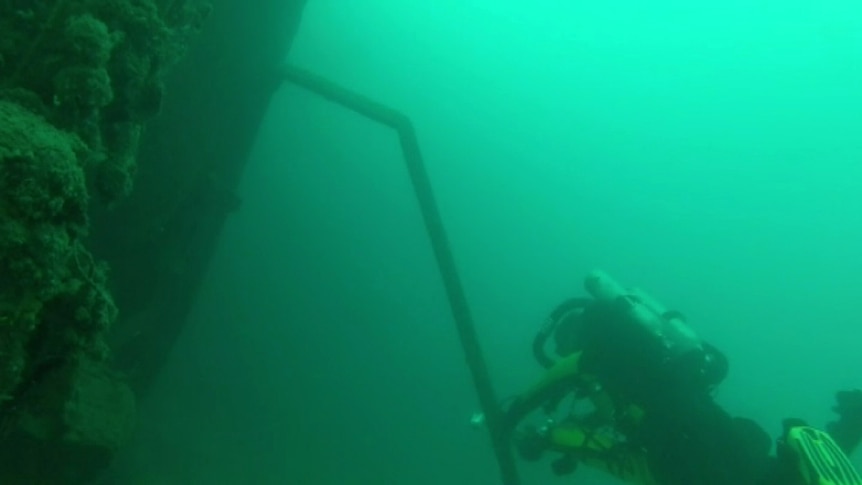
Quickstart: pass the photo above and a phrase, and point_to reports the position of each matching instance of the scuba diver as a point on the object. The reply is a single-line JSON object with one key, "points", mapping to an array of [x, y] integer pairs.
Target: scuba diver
{"points": [[640, 383]]}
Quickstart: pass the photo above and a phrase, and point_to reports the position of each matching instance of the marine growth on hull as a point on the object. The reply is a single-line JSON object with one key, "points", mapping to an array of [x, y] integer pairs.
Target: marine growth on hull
{"points": [[79, 79]]}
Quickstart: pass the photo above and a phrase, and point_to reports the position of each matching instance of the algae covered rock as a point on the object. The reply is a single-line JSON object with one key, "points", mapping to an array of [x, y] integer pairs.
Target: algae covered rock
{"points": [[57, 400], [43, 213], [78, 81], [40, 176], [53, 297], [98, 67], [75, 419]]}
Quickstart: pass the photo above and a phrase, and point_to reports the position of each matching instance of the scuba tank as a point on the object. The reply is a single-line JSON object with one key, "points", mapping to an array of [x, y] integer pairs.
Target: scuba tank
{"points": [[687, 355], [668, 327], [685, 352]]}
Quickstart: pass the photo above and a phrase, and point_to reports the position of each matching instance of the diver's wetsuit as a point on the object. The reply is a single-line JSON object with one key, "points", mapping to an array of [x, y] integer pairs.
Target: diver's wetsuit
{"points": [[693, 441], [684, 436], [690, 439]]}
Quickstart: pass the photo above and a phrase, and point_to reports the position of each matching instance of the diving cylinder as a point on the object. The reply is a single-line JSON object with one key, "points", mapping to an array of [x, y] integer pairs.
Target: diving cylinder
{"points": [[679, 337], [669, 327], [602, 287]]}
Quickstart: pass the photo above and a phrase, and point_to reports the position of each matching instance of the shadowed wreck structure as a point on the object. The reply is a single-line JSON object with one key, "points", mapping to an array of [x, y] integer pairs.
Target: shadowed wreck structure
{"points": [[124, 128]]}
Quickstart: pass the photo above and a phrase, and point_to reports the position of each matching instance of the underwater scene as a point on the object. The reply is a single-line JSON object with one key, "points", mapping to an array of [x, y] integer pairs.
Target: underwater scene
{"points": [[430, 242]]}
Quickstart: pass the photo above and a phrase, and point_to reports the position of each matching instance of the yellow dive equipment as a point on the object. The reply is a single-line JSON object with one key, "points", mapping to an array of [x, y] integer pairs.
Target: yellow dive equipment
{"points": [[601, 449], [821, 461]]}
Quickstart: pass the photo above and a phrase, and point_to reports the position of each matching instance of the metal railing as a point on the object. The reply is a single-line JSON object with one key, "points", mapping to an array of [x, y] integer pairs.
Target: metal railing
{"points": [[439, 242]]}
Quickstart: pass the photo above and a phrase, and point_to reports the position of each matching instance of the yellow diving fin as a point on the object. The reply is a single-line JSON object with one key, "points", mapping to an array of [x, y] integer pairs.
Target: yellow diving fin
{"points": [[821, 461]]}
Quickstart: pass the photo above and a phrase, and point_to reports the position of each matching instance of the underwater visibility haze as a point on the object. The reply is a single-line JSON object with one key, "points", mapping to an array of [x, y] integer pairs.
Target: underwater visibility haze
{"points": [[708, 152]]}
